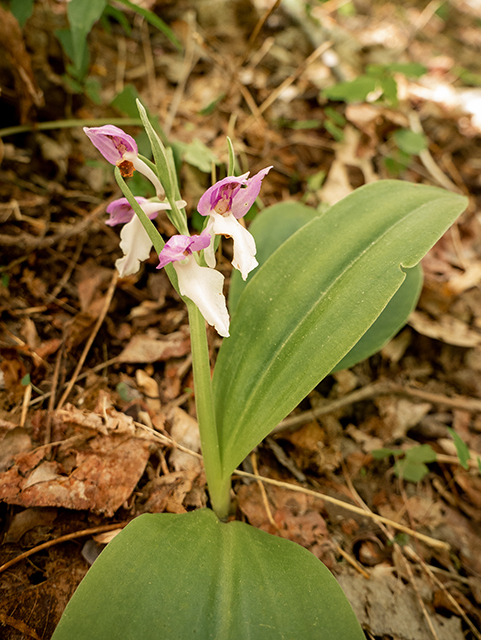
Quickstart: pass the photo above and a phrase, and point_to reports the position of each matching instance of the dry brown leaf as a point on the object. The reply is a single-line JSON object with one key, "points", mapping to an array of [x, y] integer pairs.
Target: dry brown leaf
{"points": [[106, 472], [185, 431], [27, 89], [150, 389], [296, 515], [386, 607], [169, 492], [399, 415], [106, 421], [144, 349], [471, 485], [29, 519], [445, 328], [466, 280]]}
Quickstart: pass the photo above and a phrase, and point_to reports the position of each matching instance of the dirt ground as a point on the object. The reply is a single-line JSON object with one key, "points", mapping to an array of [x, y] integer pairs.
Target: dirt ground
{"points": [[96, 381]]}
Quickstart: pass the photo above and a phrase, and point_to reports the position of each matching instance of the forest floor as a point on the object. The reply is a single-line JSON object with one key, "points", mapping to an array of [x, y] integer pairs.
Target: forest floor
{"points": [[96, 381]]}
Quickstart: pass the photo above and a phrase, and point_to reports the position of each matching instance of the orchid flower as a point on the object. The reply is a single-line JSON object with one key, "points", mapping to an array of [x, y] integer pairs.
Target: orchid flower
{"points": [[200, 284], [120, 149], [225, 202], [134, 239]]}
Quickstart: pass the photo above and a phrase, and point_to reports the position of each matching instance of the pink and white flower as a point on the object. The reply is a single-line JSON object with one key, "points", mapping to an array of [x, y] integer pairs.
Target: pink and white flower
{"points": [[134, 239], [202, 285], [120, 149], [225, 202]]}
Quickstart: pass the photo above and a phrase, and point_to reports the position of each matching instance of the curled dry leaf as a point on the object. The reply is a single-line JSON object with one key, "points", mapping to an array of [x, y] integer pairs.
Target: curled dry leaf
{"points": [[446, 328], [150, 389], [184, 431]]}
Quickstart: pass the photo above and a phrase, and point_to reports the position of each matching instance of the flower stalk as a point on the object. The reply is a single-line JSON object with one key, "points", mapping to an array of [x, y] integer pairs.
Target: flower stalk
{"points": [[219, 488]]}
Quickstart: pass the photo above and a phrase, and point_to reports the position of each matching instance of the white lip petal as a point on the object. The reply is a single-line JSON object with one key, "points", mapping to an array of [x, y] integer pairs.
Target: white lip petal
{"points": [[204, 287], [136, 246], [244, 244]]}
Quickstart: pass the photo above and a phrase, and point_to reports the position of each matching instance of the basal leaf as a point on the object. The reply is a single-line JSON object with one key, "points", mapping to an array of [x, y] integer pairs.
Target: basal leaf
{"points": [[314, 298], [189, 576]]}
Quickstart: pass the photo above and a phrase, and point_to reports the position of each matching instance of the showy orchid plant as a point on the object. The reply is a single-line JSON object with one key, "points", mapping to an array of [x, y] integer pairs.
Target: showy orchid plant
{"points": [[310, 293]]}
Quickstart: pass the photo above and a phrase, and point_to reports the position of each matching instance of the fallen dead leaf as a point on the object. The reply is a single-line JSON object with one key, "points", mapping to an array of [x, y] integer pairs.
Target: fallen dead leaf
{"points": [[400, 415], [297, 516], [386, 607], [27, 91], [144, 349], [106, 473], [15, 441], [445, 328], [150, 389], [105, 421], [168, 493], [185, 431], [29, 519]]}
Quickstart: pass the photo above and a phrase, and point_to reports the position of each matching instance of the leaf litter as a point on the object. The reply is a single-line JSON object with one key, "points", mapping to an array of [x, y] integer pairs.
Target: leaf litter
{"points": [[107, 455]]}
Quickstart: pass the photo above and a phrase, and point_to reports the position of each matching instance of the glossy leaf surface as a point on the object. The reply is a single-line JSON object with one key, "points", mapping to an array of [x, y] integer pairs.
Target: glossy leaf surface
{"points": [[190, 576], [313, 299]]}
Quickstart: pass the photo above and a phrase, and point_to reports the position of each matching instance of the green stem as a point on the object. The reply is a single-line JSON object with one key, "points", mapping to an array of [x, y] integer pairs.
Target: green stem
{"points": [[67, 124], [219, 489]]}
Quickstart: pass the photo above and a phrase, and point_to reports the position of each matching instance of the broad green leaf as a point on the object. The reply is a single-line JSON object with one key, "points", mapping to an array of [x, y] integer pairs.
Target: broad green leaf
{"points": [[410, 141], [270, 229], [77, 71], [410, 470], [22, 10], [353, 90], [81, 16], [421, 453], [409, 69], [461, 448], [126, 102], [275, 225], [314, 298], [197, 154], [189, 576], [393, 317]]}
